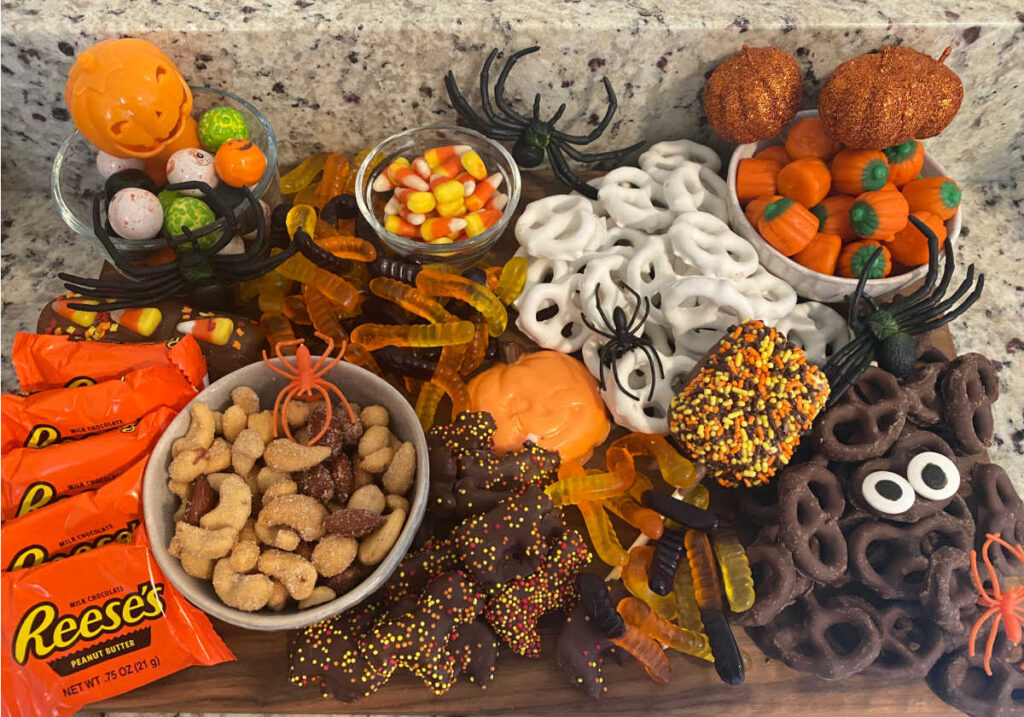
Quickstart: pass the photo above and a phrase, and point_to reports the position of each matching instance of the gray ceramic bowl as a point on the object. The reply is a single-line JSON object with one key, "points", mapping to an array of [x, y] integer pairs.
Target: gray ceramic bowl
{"points": [[359, 386], [808, 283]]}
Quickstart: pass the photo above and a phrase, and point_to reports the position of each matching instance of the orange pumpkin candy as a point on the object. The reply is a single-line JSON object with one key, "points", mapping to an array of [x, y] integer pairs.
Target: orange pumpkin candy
{"points": [[807, 138], [239, 162], [905, 161], [834, 215], [855, 256], [546, 395], [856, 171], [755, 207], [938, 195], [127, 97], [805, 180], [787, 226], [754, 178], [910, 246], [821, 254], [879, 215], [775, 153]]}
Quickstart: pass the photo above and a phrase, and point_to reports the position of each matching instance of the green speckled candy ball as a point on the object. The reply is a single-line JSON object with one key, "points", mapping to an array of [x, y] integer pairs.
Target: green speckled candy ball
{"points": [[167, 197], [192, 213], [218, 125]]}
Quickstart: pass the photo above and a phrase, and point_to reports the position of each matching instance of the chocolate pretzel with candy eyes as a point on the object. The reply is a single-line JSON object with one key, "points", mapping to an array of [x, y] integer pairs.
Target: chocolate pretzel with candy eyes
{"points": [[969, 389], [949, 597], [821, 637], [961, 681], [866, 422], [923, 388], [810, 505], [892, 558], [999, 510]]}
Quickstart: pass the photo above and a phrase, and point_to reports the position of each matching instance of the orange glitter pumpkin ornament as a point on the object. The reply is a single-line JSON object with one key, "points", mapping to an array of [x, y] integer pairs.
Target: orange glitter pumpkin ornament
{"points": [[545, 396], [127, 97]]}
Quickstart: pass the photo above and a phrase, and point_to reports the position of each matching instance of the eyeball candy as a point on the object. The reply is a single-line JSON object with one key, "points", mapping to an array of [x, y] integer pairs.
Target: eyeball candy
{"points": [[127, 179], [240, 163], [135, 214], [191, 165], [107, 164], [192, 213], [218, 125]]}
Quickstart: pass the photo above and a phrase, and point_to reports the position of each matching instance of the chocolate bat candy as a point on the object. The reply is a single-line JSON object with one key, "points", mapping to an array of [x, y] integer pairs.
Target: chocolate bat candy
{"points": [[776, 583], [510, 541], [485, 479], [866, 422], [918, 478], [823, 638], [961, 681], [948, 595], [969, 389], [418, 638], [892, 558], [911, 641], [923, 389], [514, 612], [810, 505], [443, 473], [581, 649], [1000, 510], [417, 569], [475, 648]]}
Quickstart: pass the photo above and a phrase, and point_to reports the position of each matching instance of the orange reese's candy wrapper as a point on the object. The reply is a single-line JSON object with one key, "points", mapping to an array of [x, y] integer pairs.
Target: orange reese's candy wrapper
{"points": [[45, 361], [93, 626], [35, 477]]}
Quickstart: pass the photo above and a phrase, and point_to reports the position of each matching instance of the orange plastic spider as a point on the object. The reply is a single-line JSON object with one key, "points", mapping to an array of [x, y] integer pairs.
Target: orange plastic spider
{"points": [[1005, 606], [305, 382]]}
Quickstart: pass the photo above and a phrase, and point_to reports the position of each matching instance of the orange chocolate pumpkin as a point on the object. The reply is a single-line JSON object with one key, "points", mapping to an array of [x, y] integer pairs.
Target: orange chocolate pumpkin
{"points": [[546, 396], [127, 97]]}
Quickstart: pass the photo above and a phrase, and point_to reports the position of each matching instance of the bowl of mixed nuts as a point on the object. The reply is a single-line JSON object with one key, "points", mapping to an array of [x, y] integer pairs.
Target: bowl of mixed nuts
{"points": [[270, 533]]}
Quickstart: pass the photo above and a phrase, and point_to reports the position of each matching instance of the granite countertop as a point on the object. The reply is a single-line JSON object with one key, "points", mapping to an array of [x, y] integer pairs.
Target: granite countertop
{"points": [[36, 246]]}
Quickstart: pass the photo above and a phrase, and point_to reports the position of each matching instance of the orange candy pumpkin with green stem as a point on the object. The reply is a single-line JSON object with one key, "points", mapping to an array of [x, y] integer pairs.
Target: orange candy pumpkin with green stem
{"points": [[938, 195], [909, 246], [754, 178], [834, 215], [856, 255], [879, 215], [755, 207], [807, 138], [787, 226], [905, 161], [806, 181], [775, 153], [821, 254], [547, 395], [855, 171]]}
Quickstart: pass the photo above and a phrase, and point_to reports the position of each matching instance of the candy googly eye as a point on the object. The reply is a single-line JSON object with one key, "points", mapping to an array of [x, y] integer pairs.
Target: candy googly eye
{"points": [[888, 492], [933, 475]]}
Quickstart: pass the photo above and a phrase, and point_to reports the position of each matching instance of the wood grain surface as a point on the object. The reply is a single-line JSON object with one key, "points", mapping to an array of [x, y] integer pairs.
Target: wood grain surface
{"points": [[258, 680]]}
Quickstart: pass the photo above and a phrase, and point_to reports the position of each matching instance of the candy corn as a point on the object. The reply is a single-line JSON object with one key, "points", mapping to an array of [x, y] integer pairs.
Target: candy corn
{"points": [[400, 173], [484, 191], [420, 166], [82, 318], [438, 155], [414, 218], [477, 222], [437, 227], [215, 330], [396, 225], [472, 163], [142, 321]]}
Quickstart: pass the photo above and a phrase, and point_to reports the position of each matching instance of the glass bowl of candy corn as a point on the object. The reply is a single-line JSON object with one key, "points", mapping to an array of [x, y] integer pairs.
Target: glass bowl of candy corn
{"points": [[76, 174], [440, 193]]}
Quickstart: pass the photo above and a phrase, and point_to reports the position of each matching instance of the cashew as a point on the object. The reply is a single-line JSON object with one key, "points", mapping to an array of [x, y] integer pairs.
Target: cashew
{"points": [[398, 477], [188, 465], [246, 451], [218, 423], [234, 506], [374, 416], [200, 430], [242, 592], [285, 455], [378, 461], [370, 498], [248, 532], [278, 596], [246, 399], [394, 442], [218, 456], [263, 424], [182, 489], [268, 477], [295, 572], [300, 513], [203, 542], [283, 538], [394, 502], [281, 488], [319, 596], [333, 554], [244, 555], [360, 477], [378, 544], [374, 438], [298, 412], [197, 567], [232, 422]]}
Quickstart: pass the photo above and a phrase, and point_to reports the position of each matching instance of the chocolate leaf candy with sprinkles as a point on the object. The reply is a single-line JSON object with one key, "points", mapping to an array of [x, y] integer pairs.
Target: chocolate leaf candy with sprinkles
{"points": [[745, 411]]}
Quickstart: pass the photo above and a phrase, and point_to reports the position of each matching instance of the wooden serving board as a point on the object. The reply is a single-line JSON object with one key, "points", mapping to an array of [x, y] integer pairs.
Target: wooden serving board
{"points": [[258, 680]]}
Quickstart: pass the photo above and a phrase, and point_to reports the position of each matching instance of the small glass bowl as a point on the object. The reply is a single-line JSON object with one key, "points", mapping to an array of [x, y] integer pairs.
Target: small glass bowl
{"points": [[74, 180], [413, 143]]}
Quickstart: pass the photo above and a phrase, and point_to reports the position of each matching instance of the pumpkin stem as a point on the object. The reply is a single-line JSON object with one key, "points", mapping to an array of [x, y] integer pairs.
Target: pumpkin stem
{"points": [[950, 194], [510, 351], [945, 54], [777, 208]]}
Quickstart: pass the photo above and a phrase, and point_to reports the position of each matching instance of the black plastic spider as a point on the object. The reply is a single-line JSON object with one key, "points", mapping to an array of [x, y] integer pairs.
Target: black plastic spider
{"points": [[886, 334], [622, 338], [202, 275], [532, 135]]}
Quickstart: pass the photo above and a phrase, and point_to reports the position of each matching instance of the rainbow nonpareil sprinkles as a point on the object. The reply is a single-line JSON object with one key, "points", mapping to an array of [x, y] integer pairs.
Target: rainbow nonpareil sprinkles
{"points": [[744, 413]]}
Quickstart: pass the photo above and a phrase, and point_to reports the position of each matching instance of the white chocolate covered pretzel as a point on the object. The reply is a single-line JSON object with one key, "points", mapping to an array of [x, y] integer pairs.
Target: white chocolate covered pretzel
{"points": [[770, 297], [628, 194], [559, 227], [700, 308], [560, 330], [706, 242], [816, 328], [662, 158]]}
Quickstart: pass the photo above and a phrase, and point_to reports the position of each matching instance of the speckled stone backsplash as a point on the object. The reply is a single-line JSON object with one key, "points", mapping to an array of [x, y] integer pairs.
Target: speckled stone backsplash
{"points": [[343, 74]]}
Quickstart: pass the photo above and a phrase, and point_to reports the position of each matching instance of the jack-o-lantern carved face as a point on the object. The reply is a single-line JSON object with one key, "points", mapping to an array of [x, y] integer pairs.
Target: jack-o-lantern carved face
{"points": [[547, 396], [127, 97]]}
